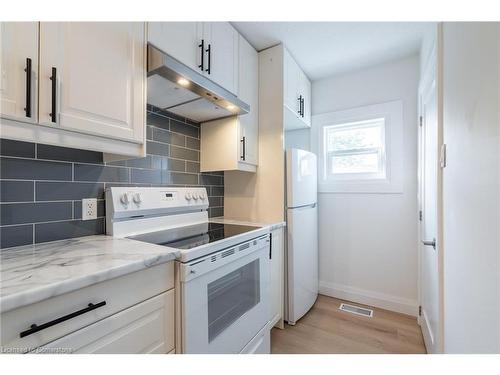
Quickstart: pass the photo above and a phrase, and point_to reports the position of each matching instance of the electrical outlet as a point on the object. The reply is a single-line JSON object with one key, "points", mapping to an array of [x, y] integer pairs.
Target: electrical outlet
{"points": [[89, 209]]}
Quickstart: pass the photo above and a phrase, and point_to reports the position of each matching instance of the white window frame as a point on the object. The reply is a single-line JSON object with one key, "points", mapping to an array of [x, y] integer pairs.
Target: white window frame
{"points": [[392, 182], [367, 123]]}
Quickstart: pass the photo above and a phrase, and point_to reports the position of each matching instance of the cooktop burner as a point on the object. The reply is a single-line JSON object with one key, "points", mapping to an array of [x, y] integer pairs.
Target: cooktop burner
{"points": [[193, 235]]}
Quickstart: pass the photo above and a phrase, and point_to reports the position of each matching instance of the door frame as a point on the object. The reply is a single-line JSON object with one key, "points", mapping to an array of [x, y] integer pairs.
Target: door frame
{"points": [[433, 70]]}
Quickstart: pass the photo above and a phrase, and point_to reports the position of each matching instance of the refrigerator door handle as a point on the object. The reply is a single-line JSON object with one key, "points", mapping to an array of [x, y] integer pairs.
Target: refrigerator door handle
{"points": [[312, 205]]}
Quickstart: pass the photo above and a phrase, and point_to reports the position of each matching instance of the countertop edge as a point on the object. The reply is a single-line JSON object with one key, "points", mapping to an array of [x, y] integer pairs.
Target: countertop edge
{"points": [[18, 300]]}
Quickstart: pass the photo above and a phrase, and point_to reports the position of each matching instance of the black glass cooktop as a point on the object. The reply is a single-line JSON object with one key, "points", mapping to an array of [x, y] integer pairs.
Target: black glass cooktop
{"points": [[193, 235]]}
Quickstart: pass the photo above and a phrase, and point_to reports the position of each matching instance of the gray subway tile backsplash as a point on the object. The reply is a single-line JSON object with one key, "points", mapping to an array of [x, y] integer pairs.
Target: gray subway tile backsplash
{"points": [[31, 169], [41, 186], [17, 191], [16, 235]]}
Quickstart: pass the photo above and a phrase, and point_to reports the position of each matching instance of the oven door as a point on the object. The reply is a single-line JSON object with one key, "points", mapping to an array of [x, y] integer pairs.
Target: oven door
{"points": [[225, 299]]}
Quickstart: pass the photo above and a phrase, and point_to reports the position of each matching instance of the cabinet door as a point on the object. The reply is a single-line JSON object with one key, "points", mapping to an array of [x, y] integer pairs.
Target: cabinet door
{"points": [[223, 55], [100, 78], [18, 86], [305, 91], [277, 276], [248, 91], [291, 83], [147, 327], [181, 40]]}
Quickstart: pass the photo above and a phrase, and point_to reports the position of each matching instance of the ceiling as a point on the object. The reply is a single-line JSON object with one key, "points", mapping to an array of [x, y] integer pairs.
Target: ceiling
{"points": [[327, 48]]}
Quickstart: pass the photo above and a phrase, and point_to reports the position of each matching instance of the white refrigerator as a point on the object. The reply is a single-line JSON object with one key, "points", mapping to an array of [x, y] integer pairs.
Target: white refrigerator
{"points": [[302, 233]]}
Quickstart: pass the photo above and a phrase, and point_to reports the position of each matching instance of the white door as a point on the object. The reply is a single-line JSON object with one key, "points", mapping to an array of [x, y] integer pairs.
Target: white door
{"points": [[430, 174], [291, 83], [99, 70], [18, 84], [222, 57], [249, 93], [302, 260], [181, 40]]}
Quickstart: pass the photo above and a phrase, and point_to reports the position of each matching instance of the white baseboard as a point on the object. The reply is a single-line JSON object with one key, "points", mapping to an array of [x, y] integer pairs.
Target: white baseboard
{"points": [[368, 297]]}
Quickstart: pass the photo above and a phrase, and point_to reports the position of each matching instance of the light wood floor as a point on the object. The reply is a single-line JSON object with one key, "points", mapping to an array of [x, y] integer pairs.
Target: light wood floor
{"points": [[326, 329]]}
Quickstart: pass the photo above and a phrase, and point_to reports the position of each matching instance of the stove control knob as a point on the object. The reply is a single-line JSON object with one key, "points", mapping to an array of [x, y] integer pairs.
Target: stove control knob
{"points": [[202, 196], [137, 198], [195, 196], [188, 196], [125, 199]]}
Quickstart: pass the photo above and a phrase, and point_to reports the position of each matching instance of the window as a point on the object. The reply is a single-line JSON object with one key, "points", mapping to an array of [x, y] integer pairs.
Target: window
{"points": [[360, 150], [355, 150]]}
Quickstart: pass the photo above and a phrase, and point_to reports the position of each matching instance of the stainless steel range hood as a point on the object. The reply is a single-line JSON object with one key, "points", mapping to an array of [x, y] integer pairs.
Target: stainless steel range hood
{"points": [[174, 87]]}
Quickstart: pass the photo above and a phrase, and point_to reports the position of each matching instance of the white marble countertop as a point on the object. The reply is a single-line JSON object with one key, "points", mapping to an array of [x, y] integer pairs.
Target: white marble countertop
{"points": [[32, 273], [272, 226]]}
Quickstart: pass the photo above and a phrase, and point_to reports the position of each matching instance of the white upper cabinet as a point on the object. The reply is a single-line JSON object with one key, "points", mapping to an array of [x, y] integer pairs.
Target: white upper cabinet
{"points": [[296, 95], [291, 72], [181, 40], [222, 59], [249, 93], [210, 48], [19, 70], [92, 78]]}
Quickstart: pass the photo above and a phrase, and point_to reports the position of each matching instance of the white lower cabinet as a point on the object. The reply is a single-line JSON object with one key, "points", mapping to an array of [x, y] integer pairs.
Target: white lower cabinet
{"points": [[133, 313], [144, 328], [277, 277]]}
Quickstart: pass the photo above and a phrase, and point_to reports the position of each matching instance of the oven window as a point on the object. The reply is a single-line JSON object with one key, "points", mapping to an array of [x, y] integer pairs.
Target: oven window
{"points": [[231, 296]]}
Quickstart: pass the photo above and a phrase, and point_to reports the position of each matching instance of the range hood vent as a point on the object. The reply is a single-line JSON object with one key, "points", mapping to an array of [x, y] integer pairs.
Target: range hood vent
{"points": [[176, 88]]}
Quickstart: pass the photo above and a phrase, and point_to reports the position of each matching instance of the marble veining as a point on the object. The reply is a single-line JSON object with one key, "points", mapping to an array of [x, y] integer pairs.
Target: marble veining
{"points": [[271, 226], [32, 273]]}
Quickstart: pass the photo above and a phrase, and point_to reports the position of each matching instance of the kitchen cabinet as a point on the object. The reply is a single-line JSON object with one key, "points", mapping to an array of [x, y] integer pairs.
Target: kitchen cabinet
{"points": [[133, 313], [296, 94], [211, 48], [277, 277], [249, 93], [92, 77], [144, 328], [233, 143], [181, 40], [222, 63], [19, 71], [221, 148], [91, 85]]}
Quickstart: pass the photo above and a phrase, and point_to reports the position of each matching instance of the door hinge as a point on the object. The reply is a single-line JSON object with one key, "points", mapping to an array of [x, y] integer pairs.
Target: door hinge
{"points": [[420, 311], [420, 120], [420, 215], [442, 156]]}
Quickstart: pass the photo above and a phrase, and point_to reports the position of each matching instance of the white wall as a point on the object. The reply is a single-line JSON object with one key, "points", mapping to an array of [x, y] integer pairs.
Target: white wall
{"points": [[368, 242], [298, 139], [471, 187]]}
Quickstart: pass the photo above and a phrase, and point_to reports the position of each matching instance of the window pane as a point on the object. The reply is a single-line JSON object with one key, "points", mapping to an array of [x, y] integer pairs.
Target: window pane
{"points": [[354, 138], [363, 163]]}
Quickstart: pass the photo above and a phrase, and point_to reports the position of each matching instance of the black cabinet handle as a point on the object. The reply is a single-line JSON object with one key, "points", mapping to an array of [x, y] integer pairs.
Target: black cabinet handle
{"points": [[300, 104], [27, 109], [270, 246], [202, 50], [36, 328], [209, 50], [243, 140], [53, 78]]}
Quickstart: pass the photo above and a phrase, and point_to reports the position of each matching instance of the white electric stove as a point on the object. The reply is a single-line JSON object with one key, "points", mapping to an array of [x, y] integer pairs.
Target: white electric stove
{"points": [[222, 272]]}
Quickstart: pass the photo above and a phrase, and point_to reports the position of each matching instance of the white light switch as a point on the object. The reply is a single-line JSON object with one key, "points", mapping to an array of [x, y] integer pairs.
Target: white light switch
{"points": [[89, 209]]}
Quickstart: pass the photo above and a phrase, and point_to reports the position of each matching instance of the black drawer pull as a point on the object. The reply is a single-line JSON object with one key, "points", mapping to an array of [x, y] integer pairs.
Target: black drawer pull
{"points": [[35, 328], [53, 78], [209, 50], [202, 46], [27, 109]]}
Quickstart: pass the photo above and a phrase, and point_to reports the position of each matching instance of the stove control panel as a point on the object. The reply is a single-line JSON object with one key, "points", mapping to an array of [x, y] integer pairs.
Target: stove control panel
{"points": [[130, 201]]}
